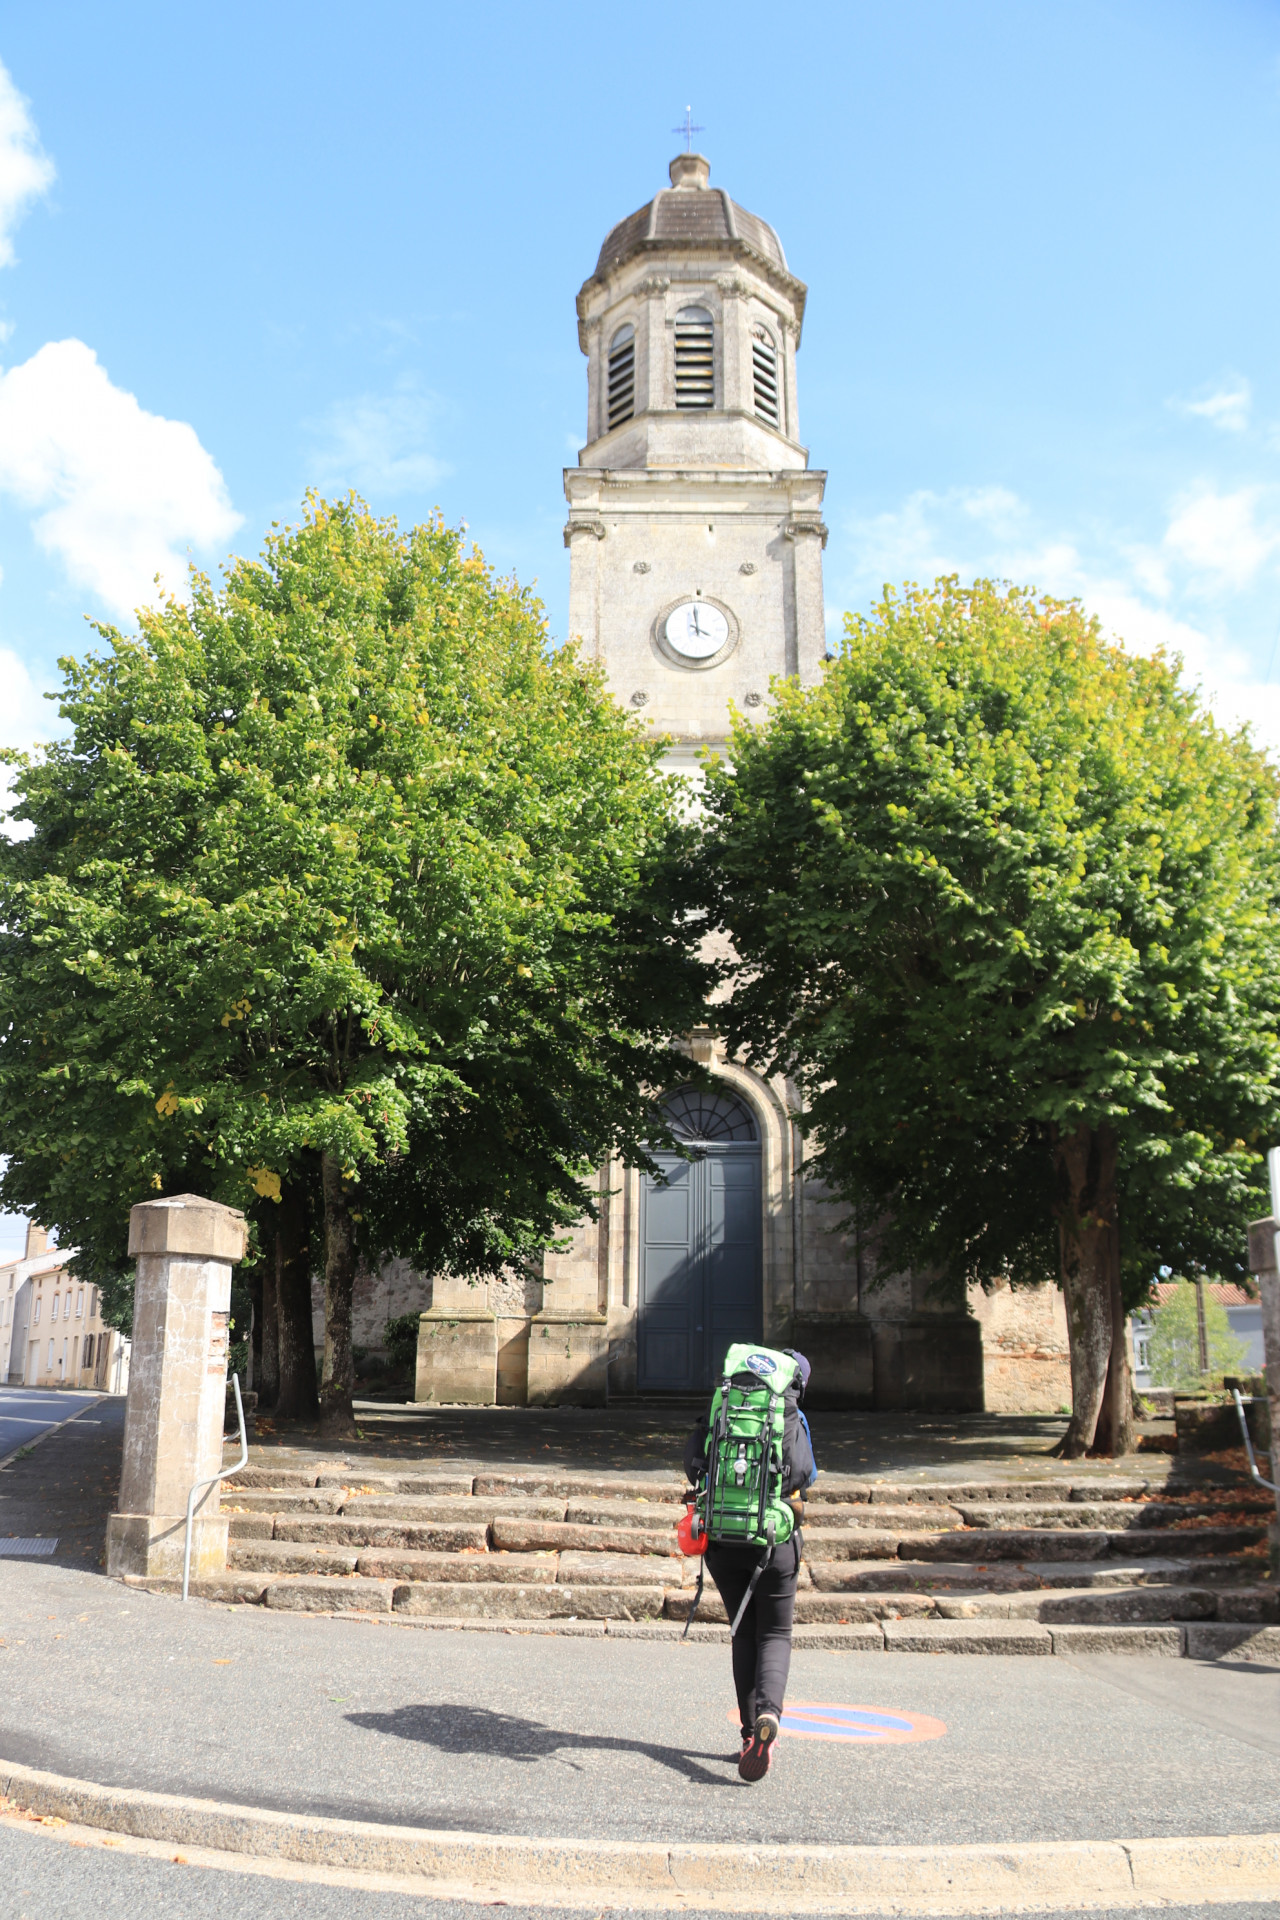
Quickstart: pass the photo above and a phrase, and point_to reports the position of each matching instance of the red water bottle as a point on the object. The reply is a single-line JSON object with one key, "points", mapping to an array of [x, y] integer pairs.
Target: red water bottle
{"points": [[689, 1533]]}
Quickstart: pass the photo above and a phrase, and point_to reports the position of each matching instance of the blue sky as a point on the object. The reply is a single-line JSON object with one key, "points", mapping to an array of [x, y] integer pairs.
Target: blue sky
{"points": [[248, 249]]}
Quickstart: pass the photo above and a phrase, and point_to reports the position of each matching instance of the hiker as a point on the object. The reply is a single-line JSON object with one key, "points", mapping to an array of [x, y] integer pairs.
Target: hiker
{"points": [[749, 1459]]}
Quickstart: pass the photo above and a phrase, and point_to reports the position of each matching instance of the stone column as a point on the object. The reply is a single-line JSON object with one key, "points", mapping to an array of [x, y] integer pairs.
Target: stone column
{"points": [[185, 1249], [1264, 1249], [457, 1346]]}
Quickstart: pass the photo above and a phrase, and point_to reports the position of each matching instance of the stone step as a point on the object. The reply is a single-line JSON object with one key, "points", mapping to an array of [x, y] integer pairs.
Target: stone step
{"points": [[1116, 1606], [1017, 1543], [441, 1538], [550, 1536], [465, 1512], [662, 1487], [530, 1603], [512, 1569], [928, 1516], [1112, 1515]]}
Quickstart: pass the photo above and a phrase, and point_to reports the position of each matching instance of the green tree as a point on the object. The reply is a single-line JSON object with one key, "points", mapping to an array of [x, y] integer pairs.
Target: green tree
{"points": [[1174, 1349], [346, 901], [1005, 903]]}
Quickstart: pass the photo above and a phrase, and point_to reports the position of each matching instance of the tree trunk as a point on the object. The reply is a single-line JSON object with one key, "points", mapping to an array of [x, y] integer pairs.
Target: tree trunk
{"points": [[1115, 1433], [338, 1377], [1089, 1254], [296, 1399], [268, 1376]]}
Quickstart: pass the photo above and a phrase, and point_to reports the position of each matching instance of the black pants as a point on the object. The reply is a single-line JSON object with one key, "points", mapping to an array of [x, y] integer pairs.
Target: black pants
{"points": [[762, 1644]]}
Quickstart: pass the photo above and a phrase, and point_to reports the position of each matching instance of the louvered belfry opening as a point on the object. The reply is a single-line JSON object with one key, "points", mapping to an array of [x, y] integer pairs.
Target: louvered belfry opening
{"points": [[622, 376], [695, 359], [764, 368]]}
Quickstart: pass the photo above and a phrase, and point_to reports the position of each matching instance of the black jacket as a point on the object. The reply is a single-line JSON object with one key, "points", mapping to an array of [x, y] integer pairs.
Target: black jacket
{"points": [[797, 1454]]}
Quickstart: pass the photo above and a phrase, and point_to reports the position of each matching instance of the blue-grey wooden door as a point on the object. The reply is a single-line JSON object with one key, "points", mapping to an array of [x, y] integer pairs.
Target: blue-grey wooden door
{"points": [[700, 1267]]}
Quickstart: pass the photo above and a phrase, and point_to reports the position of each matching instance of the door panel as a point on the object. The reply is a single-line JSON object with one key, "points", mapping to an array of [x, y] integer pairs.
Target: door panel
{"points": [[669, 1290], [700, 1273], [734, 1303]]}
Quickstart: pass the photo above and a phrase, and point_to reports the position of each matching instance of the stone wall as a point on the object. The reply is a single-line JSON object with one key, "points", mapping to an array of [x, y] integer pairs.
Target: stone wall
{"points": [[1025, 1354]]}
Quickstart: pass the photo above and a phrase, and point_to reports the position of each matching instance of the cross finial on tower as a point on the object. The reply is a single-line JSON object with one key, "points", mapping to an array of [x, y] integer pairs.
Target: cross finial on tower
{"points": [[688, 129]]}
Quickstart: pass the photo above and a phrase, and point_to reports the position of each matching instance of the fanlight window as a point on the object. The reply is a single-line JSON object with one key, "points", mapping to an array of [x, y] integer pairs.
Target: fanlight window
{"points": [[716, 1117], [622, 375], [695, 358], [764, 370]]}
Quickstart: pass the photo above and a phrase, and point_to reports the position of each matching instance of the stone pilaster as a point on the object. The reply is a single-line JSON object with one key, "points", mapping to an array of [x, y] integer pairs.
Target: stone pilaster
{"points": [[185, 1249]]}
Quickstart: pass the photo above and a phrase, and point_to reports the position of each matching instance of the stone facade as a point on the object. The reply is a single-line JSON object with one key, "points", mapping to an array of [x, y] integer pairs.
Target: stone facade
{"points": [[695, 538], [51, 1329]]}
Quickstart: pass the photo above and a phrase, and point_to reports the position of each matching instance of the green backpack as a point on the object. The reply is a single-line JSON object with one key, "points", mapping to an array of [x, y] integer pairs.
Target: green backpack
{"points": [[739, 1500]]}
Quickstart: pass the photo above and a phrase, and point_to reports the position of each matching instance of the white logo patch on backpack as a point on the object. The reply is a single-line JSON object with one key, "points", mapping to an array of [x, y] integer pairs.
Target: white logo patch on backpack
{"points": [[762, 1363]]}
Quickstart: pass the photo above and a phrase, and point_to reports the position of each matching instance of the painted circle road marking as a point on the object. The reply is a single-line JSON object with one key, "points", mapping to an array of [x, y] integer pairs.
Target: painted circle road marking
{"points": [[831, 1720]]}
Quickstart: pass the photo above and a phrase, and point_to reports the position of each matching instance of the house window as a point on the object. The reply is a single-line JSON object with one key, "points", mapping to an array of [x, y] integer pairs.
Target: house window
{"points": [[764, 374], [80, 1304], [622, 375], [49, 1368], [39, 1304], [695, 359]]}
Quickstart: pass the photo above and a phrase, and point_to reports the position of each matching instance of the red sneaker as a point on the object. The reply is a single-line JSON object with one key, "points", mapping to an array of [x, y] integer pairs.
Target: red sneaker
{"points": [[757, 1753]]}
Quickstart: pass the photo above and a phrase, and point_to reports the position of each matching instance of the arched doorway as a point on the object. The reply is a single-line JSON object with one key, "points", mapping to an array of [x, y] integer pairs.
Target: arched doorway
{"points": [[700, 1244]]}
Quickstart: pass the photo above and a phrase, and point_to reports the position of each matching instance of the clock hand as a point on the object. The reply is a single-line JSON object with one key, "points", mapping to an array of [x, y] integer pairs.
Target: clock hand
{"points": [[695, 617]]}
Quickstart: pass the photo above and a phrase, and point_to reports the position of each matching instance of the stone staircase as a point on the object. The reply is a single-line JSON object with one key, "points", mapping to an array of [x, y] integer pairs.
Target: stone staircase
{"points": [[999, 1565]]}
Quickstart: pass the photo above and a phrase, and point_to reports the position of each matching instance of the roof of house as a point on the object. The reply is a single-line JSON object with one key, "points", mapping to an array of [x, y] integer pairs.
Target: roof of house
{"points": [[1225, 1292]]}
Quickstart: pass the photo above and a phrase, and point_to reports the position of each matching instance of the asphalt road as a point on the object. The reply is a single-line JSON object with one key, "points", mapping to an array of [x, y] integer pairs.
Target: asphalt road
{"points": [[26, 1413], [628, 1740]]}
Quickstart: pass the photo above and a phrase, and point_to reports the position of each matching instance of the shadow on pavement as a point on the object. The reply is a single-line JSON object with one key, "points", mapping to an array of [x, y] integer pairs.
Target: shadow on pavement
{"points": [[479, 1730]]}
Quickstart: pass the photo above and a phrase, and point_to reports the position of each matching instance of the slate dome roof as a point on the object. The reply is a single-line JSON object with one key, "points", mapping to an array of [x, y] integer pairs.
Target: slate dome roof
{"points": [[690, 213]]}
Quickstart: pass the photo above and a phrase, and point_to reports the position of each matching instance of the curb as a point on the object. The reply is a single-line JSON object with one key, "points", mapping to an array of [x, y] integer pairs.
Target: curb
{"points": [[25, 1446], [1046, 1875]]}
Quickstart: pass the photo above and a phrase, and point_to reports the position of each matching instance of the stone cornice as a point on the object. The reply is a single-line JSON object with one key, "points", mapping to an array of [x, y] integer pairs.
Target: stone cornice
{"points": [[795, 291]]}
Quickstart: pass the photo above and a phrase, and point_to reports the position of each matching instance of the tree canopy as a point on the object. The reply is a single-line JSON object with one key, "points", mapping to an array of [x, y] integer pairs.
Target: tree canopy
{"points": [[1174, 1342], [343, 882], [1004, 899]]}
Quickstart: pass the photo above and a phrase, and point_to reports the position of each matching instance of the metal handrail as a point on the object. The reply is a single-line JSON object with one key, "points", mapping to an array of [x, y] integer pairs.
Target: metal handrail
{"points": [[204, 1485], [1248, 1444]]}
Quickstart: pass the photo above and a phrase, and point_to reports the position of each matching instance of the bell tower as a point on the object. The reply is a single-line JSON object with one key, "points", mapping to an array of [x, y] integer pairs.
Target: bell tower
{"points": [[695, 521]]}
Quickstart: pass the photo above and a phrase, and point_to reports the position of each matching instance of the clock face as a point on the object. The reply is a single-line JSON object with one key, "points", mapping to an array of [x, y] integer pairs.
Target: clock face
{"points": [[696, 630]]}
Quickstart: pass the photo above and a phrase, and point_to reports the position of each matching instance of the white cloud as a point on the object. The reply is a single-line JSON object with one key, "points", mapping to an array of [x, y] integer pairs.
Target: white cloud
{"points": [[971, 531], [25, 716], [377, 443], [25, 172], [1212, 538], [124, 491], [1218, 534], [1228, 408]]}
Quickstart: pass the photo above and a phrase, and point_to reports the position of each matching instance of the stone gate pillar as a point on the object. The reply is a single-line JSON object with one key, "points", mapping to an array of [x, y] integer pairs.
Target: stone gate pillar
{"points": [[1264, 1260], [185, 1249]]}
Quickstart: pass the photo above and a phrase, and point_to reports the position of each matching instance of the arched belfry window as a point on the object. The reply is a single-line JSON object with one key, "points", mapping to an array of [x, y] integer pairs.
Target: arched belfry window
{"points": [[695, 359], [764, 373], [622, 375], [716, 1118]]}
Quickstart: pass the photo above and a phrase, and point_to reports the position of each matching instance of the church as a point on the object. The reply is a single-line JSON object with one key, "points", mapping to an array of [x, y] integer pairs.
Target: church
{"points": [[695, 536]]}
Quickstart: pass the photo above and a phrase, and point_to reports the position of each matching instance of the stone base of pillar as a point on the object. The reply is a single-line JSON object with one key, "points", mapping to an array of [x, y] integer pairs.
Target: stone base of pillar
{"points": [[568, 1360], [457, 1358], [838, 1347], [152, 1544]]}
